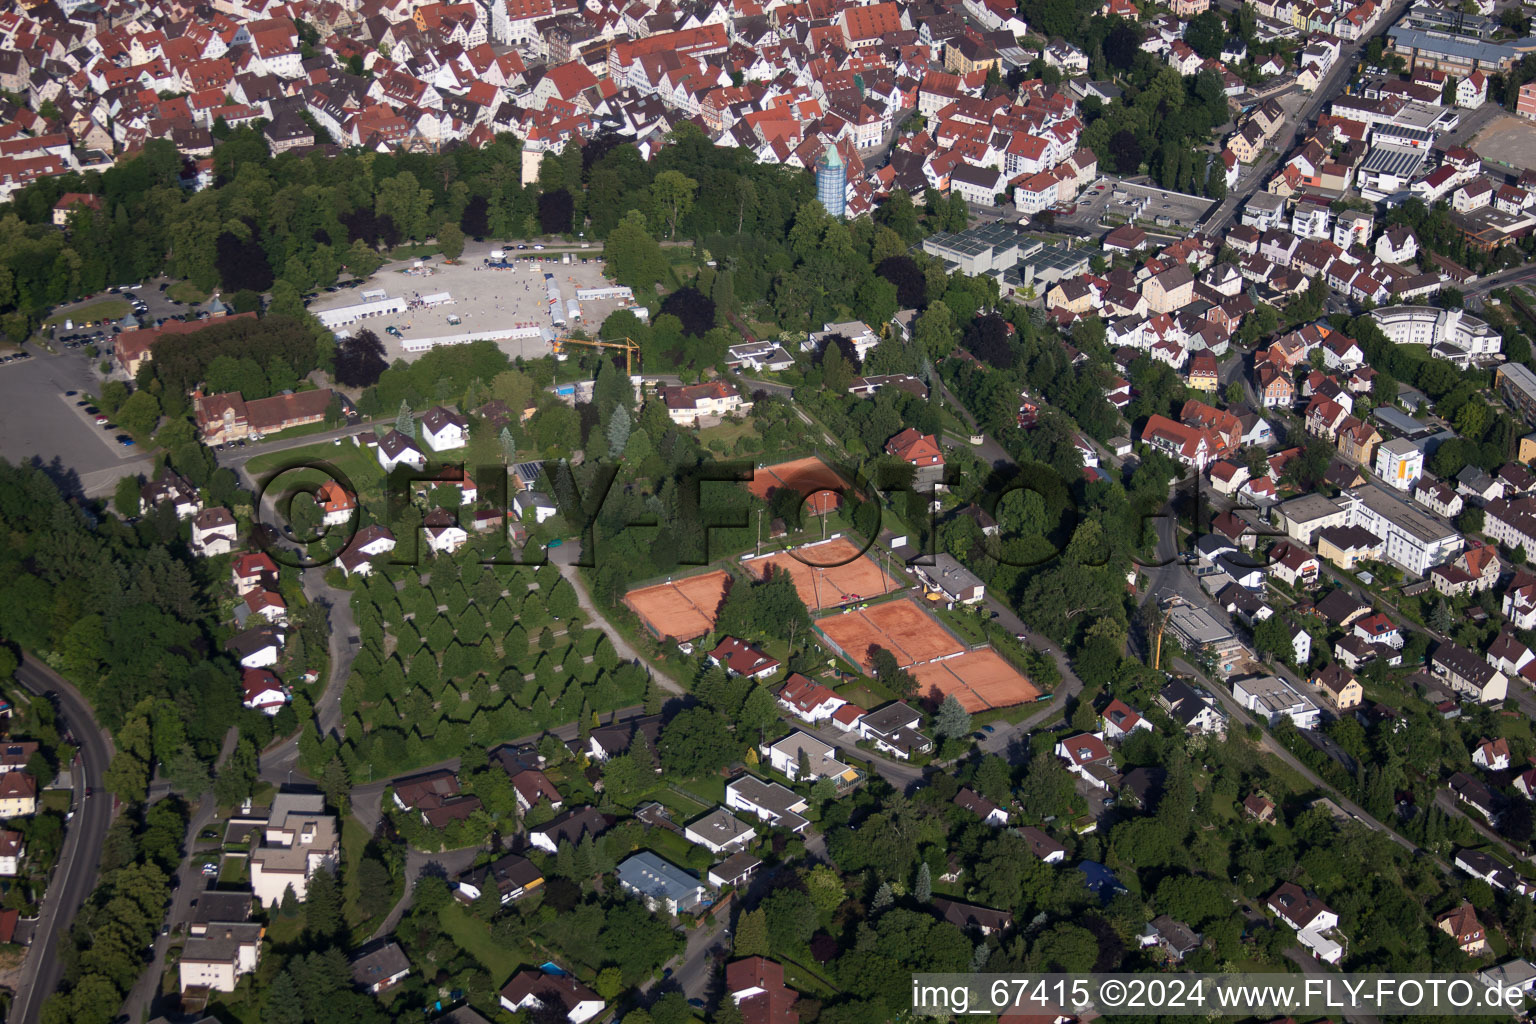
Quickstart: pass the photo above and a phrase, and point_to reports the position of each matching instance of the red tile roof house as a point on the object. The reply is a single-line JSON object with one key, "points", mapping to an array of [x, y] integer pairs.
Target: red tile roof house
{"points": [[739, 658], [262, 691], [847, 717], [811, 701], [1462, 925], [251, 570], [531, 786], [1189, 445], [757, 987], [1492, 754], [262, 603], [688, 404], [69, 202], [920, 451], [1088, 758], [1120, 720]]}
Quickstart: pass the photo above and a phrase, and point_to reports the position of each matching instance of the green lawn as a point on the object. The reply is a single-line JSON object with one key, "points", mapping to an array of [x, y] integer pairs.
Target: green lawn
{"points": [[56, 799], [966, 624], [803, 979], [358, 465], [1285, 774], [354, 839], [283, 931], [682, 808], [727, 433], [304, 431], [234, 871], [475, 938], [105, 309], [186, 291], [667, 844]]}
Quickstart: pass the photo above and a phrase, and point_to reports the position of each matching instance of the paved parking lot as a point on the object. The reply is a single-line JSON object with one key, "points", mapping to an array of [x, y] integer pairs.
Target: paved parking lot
{"points": [[1125, 197], [151, 293], [40, 424], [483, 298]]}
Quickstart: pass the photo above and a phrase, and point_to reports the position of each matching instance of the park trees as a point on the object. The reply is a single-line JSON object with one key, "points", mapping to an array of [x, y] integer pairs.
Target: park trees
{"points": [[697, 741], [674, 192]]}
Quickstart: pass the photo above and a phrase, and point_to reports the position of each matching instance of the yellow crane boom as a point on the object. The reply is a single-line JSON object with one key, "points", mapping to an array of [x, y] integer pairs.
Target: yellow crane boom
{"points": [[630, 349]]}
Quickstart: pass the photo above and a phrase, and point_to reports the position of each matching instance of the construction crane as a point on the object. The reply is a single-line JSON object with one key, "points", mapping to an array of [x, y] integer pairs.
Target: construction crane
{"points": [[1157, 643], [630, 349]]}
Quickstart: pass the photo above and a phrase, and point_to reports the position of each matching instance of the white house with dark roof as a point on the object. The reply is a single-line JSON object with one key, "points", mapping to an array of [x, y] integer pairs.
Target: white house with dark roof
{"points": [[1314, 922], [893, 730], [719, 832], [537, 991], [395, 449], [214, 532], [778, 805], [444, 429], [983, 808]]}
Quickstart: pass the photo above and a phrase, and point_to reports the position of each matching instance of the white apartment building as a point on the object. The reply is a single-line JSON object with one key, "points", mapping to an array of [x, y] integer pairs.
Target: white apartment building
{"points": [[1412, 538], [299, 839]]}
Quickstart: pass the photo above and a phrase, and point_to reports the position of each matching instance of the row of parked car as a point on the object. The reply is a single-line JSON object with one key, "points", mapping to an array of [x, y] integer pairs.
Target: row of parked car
{"points": [[100, 418]]}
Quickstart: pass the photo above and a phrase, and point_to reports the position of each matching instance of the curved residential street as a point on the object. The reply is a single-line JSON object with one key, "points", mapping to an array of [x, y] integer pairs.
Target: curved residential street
{"points": [[74, 876]]}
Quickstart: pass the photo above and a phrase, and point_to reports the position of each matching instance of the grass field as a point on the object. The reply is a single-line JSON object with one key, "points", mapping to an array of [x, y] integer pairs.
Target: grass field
{"points": [[475, 938], [358, 465], [186, 291], [729, 433], [106, 309]]}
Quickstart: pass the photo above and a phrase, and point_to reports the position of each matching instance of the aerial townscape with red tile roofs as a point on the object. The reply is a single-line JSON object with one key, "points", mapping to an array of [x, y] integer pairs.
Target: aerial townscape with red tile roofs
{"points": [[706, 510]]}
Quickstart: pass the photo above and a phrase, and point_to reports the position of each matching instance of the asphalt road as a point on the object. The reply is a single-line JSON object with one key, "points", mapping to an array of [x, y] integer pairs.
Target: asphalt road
{"points": [[1525, 274], [279, 762], [75, 874], [1332, 84], [236, 457]]}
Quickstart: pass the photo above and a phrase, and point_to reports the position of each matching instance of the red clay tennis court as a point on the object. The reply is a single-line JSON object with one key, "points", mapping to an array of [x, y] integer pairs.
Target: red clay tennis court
{"points": [[979, 680], [682, 609], [811, 477], [828, 574], [901, 627]]}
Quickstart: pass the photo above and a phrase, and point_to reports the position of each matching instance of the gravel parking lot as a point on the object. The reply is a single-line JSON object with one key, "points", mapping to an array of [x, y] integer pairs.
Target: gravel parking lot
{"points": [[484, 299], [1507, 140]]}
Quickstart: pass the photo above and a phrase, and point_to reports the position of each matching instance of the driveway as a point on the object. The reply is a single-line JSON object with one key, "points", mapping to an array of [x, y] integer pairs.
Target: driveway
{"points": [[448, 864]]}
